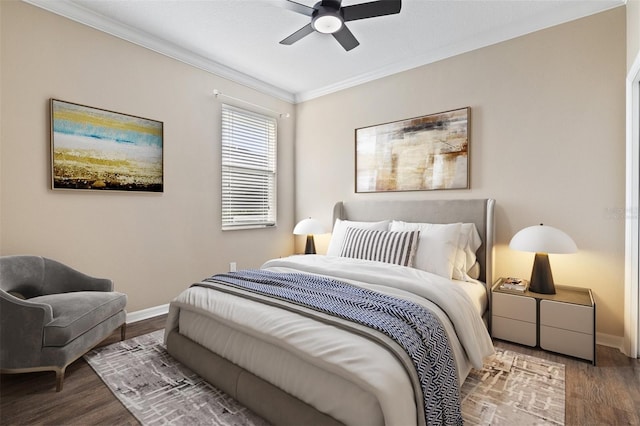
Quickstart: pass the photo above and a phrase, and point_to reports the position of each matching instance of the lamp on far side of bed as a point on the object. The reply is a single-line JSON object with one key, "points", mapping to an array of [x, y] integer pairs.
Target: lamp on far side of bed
{"points": [[542, 240], [309, 227]]}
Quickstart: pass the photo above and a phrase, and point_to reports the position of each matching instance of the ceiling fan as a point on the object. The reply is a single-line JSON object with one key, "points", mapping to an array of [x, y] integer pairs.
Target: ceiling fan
{"points": [[329, 17]]}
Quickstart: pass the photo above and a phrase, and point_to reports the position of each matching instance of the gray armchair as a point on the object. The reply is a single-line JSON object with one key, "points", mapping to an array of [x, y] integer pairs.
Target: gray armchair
{"points": [[51, 314]]}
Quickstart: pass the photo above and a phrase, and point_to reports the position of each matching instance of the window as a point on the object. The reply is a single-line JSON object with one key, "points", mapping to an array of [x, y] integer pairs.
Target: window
{"points": [[248, 169]]}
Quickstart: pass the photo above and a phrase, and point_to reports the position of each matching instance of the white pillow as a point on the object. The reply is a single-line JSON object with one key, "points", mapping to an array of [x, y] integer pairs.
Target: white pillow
{"points": [[398, 248], [473, 272], [437, 245], [340, 227], [468, 244]]}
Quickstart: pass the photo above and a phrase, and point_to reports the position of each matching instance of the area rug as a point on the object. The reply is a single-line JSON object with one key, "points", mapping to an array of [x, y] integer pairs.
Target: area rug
{"points": [[512, 388]]}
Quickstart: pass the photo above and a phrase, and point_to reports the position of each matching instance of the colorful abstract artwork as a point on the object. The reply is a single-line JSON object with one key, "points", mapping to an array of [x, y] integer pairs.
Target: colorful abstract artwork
{"points": [[417, 154], [96, 149]]}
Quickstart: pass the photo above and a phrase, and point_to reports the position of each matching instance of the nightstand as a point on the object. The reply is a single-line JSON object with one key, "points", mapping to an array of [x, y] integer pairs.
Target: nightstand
{"points": [[563, 322]]}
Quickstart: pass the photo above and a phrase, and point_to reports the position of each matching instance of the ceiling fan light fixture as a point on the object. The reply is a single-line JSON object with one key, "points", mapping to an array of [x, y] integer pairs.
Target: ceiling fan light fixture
{"points": [[327, 23]]}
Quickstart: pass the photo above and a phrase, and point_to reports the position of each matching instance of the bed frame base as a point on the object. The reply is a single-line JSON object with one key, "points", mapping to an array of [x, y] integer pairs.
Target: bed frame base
{"points": [[260, 396]]}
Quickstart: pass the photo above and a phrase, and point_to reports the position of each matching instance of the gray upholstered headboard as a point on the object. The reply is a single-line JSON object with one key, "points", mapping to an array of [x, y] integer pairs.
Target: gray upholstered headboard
{"points": [[479, 212]]}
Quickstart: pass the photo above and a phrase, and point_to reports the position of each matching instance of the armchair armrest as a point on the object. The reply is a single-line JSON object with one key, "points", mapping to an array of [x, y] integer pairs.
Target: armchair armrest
{"points": [[21, 330], [60, 278]]}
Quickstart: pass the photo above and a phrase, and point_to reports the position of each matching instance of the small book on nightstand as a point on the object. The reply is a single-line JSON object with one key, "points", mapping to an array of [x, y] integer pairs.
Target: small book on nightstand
{"points": [[514, 284]]}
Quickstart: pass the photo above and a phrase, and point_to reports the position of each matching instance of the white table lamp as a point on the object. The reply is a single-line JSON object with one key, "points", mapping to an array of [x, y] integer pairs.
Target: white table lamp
{"points": [[542, 240], [309, 227]]}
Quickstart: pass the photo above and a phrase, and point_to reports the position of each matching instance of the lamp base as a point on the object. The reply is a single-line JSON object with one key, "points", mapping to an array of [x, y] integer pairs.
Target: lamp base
{"points": [[310, 248], [541, 278]]}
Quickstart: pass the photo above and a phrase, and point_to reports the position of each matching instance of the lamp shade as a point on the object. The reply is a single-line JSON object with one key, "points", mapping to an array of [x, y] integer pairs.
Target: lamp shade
{"points": [[543, 239], [309, 226]]}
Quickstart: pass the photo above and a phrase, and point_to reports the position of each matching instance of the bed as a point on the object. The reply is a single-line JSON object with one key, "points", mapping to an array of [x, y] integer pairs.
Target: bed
{"points": [[295, 365]]}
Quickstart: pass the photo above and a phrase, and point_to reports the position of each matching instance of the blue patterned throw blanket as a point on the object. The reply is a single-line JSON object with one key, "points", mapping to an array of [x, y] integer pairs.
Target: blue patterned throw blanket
{"points": [[416, 329]]}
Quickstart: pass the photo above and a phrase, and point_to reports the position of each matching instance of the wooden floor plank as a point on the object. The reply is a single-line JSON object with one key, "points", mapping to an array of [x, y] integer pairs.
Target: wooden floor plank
{"points": [[606, 394]]}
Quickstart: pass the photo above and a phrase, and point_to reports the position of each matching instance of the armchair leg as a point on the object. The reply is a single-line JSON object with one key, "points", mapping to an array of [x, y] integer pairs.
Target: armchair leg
{"points": [[59, 379], [123, 331]]}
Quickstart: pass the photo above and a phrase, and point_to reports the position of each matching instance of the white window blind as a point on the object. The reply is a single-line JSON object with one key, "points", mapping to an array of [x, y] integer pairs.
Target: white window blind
{"points": [[248, 169]]}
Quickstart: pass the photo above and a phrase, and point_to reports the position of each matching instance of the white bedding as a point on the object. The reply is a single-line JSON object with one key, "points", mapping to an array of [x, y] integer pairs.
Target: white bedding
{"points": [[477, 292], [344, 375]]}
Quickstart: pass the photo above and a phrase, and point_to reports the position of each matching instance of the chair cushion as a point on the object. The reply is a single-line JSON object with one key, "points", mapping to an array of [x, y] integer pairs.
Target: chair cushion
{"points": [[77, 312]]}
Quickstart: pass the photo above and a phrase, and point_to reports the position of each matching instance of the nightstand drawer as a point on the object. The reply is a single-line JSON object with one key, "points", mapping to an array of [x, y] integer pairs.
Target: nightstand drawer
{"points": [[513, 330], [514, 306], [567, 342], [566, 316]]}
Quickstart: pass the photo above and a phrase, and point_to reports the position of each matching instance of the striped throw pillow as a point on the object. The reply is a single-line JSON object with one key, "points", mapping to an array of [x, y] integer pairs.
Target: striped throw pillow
{"points": [[398, 248]]}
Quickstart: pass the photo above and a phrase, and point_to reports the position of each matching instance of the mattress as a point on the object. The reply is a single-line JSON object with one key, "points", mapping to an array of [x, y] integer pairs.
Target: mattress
{"points": [[344, 375]]}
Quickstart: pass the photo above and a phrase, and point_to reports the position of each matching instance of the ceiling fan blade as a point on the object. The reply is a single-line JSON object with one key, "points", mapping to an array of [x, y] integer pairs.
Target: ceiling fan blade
{"points": [[302, 32], [297, 7], [371, 9], [346, 38]]}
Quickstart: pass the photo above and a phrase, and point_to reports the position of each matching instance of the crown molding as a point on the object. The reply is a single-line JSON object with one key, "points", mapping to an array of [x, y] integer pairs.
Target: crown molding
{"points": [[89, 18]]}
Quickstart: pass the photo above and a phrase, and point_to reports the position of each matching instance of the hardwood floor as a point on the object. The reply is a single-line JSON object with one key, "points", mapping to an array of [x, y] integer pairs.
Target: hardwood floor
{"points": [[608, 394], [31, 399]]}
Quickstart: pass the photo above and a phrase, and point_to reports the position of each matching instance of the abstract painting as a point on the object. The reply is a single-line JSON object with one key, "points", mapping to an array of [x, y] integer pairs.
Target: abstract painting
{"points": [[96, 149], [417, 154]]}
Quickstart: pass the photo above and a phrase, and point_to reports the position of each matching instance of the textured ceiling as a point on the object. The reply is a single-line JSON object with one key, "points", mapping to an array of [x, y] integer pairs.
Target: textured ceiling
{"points": [[238, 39]]}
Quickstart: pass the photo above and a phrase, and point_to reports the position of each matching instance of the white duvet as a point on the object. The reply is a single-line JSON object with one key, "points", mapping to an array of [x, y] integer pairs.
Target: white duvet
{"points": [[342, 374]]}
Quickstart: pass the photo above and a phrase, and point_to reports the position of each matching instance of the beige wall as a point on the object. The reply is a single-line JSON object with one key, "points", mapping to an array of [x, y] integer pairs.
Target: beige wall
{"points": [[152, 245], [633, 31], [547, 142]]}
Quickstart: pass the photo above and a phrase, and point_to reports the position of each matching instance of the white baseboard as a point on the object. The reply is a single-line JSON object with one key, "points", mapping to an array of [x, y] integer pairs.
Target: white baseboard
{"points": [[147, 313], [609, 340]]}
